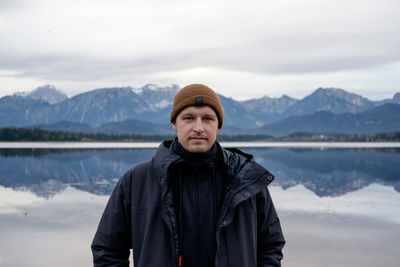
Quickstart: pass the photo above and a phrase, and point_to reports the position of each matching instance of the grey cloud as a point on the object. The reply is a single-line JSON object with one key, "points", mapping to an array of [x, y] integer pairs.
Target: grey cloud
{"points": [[299, 54], [74, 67], [274, 55], [280, 48]]}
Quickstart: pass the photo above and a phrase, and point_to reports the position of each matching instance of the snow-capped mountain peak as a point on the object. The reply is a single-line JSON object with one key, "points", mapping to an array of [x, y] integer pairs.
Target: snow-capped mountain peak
{"points": [[47, 93]]}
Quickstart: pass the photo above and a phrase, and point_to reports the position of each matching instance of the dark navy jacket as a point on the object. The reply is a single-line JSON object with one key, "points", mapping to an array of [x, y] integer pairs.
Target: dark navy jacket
{"points": [[140, 215]]}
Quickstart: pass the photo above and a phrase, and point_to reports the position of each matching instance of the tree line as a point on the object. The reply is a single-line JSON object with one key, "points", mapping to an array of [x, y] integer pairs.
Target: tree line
{"points": [[37, 134]]}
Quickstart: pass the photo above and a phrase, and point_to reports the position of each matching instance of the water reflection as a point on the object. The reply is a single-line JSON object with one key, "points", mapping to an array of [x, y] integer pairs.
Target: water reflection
{"points": [[57, 231], [329, 172], [332, 172], [331, 202], [48, 171]]}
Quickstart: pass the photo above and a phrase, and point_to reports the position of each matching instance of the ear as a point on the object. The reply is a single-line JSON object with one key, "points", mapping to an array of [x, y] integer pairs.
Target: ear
{"points": [[174, 126]]}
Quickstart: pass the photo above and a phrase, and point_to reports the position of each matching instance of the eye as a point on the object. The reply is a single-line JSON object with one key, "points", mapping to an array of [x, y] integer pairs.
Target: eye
{"points": [[187, 118]]}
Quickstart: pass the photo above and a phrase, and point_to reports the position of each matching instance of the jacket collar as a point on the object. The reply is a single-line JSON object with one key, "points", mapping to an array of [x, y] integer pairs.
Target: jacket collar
{"points": [[232, 157], [240, 166]]}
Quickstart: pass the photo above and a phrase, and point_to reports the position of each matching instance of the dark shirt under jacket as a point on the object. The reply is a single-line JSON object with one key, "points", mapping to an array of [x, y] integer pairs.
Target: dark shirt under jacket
{"points": [[201, 198]]}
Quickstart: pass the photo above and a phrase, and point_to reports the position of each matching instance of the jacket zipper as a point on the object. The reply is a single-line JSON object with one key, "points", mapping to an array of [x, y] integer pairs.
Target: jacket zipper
{"points": [[173, 230]]}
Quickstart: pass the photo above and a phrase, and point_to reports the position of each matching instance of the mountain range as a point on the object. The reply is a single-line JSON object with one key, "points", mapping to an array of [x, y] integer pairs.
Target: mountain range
{"points": [[146, 110]]}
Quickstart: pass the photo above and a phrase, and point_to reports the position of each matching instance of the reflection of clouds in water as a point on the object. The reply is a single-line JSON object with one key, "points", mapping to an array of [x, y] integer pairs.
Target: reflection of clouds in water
{"points": [[331, 240], [376, 201], [12, 201], [71, 206], [58, 231], [51, 232]]}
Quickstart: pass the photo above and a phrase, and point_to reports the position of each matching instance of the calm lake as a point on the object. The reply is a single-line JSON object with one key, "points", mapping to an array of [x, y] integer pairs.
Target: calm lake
{"points": [[338, 206]]}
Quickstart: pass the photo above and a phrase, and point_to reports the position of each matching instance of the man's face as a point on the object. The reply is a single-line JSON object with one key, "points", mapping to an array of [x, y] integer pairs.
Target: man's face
{"points": [[197, 128]]}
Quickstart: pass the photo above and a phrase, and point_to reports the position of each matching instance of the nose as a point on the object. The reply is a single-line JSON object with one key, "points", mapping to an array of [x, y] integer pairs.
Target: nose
{"points": [[198, 125]]}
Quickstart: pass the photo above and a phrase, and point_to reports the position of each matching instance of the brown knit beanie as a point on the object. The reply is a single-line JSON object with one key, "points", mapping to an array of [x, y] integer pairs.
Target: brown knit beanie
{"points": [[197, 95]]}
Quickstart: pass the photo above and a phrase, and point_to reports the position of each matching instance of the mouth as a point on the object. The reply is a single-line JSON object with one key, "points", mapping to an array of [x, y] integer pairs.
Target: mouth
{"points": [[197, 138]]}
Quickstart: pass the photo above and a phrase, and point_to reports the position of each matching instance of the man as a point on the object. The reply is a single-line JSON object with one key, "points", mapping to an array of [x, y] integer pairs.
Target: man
{"points": [[195, 204]]}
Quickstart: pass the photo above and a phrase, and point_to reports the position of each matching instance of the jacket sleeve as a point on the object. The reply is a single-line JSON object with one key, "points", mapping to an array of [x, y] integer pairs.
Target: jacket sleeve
{"points": [[270, 236], [112, 242]]}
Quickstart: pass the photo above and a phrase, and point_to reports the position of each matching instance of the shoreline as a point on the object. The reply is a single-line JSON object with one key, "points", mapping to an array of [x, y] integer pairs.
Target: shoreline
{"points": [[83, 145]]}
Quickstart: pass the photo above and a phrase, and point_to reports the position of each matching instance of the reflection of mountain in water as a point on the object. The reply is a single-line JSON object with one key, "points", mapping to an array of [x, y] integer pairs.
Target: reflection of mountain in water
{"points": [[328, 172], [331, 172], [46, 172]]}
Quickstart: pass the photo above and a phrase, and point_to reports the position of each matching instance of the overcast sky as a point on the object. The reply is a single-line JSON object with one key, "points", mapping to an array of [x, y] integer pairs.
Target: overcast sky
{"points": [[241, 49]]}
